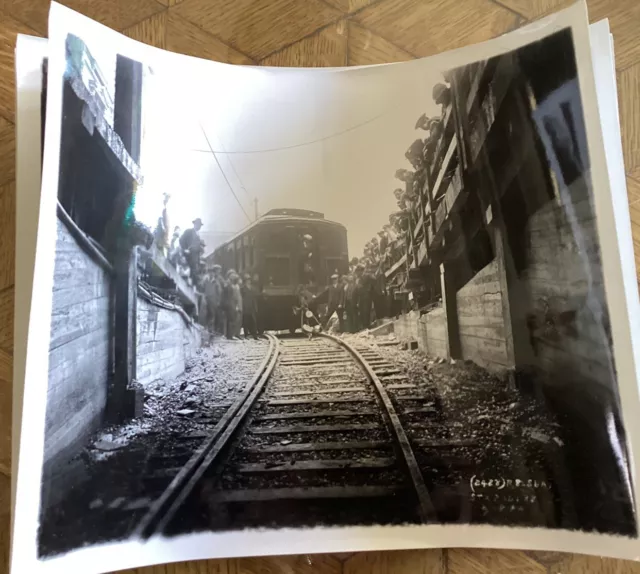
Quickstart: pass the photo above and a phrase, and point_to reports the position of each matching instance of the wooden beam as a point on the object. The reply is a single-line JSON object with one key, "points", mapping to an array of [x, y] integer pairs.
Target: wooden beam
{"points": [[450, 307]]}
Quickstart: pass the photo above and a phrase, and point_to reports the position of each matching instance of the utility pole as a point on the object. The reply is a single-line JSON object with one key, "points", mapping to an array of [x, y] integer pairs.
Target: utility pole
{"points": [[255, 209]]}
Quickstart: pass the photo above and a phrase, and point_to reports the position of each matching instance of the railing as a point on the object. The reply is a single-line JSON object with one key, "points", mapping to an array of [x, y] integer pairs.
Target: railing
{"points": [[441, 147], [397, 265], [451, 151], [417, 230], [448, 204], [422, 251]]}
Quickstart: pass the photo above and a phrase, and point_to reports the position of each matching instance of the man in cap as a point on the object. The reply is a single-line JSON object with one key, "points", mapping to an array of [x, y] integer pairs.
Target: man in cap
{"points": [[192, 247]]}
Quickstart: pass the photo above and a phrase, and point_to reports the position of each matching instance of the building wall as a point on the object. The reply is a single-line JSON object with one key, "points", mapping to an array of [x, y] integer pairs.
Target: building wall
{"points": [[481, 321], [78, 352], [565, 288], [165, 341]]}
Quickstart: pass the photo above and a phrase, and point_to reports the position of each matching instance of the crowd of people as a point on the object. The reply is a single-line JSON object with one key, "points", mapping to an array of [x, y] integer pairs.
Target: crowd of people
{"points": [[393, 240], [230, 303]]}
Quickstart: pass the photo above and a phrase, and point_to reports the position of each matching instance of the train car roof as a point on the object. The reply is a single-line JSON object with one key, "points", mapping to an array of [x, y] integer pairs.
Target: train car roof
{"points": [[281, 215]]}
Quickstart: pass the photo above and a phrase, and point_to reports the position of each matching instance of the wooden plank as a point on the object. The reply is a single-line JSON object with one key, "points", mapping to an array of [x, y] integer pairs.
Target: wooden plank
{"points": [[282, 402], [316, 428], [323, 392], [412, 398], [302, 493], [329, 464], [316, 446], [318, 414], [401, 386]]}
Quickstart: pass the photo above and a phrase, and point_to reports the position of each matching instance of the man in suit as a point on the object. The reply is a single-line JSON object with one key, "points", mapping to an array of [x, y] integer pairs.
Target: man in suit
{"points": [[334, 297]]}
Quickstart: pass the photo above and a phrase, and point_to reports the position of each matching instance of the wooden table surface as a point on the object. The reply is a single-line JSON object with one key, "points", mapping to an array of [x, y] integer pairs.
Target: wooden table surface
{"points": [[310, 33]]}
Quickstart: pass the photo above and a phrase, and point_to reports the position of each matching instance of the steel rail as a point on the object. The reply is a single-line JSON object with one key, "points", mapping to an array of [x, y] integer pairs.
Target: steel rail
{"points": [[426, 509], [169, 502]]}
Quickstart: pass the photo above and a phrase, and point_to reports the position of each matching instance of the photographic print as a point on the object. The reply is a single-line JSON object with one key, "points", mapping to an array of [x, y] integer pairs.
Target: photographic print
{"points": [[346, 298]]}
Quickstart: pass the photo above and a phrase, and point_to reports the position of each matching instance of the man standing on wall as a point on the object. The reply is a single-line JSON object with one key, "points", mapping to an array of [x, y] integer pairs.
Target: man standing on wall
{"points": [[192, 248]]}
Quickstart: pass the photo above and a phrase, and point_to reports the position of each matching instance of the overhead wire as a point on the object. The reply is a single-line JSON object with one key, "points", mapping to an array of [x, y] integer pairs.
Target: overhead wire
{"points": [[293, 146], [224, 175]]}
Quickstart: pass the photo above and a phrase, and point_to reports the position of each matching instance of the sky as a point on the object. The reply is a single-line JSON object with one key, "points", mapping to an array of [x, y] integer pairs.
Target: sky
{"points": [[328, 141]]}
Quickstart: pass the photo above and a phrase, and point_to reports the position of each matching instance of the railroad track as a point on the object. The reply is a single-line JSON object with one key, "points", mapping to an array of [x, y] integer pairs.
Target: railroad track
{"points": [[317, 437]]}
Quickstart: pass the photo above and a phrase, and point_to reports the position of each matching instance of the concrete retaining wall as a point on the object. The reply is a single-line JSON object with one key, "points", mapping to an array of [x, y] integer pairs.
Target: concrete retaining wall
{"points": [[166, 340], [565, 289], [481, 320], [79, 352]]}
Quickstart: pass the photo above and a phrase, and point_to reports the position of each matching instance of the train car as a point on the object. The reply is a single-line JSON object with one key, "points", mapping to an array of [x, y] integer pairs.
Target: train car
{"points": [[286, 248]]}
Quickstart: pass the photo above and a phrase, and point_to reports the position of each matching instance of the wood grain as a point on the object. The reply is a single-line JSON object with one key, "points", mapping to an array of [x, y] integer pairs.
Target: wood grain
{"points": [[256, 27], [491, 561], [426, 27], [327, 47], [367, 48], [9, 28], [7, 151], [7, 234], [308, 33], [186, 38], [397, 562], [152, 31], [629, 90]]}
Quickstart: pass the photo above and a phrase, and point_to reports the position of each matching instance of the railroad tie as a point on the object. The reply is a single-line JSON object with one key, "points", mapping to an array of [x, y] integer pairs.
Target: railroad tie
{"points": [[302, 493], [316, 428]]}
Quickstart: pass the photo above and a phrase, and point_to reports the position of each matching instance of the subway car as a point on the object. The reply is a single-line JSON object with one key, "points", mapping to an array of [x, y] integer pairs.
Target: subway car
{"points": [[285, 248]]}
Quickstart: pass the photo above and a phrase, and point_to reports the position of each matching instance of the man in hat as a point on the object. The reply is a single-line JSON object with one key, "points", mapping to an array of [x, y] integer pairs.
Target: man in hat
{"points": [[364, 283], [249, 308], [351, 303], [192, 247], [441, 95], [422, 123], [234, 306], [213, 291], [415, 154], [333, 295]]}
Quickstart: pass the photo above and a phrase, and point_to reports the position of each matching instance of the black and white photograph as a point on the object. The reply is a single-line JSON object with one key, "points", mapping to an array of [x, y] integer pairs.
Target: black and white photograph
{"points": [[348, 298]]}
